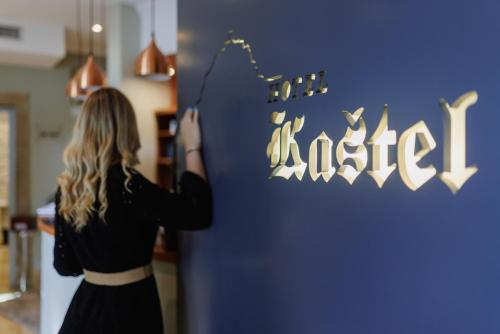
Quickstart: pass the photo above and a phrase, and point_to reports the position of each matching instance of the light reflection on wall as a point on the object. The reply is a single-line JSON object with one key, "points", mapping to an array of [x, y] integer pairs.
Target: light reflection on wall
{"points": [[146, 97]]}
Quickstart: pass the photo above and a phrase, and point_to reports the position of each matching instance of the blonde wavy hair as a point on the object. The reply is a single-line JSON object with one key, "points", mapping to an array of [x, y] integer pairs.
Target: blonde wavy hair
{"points": [[105, 133]]}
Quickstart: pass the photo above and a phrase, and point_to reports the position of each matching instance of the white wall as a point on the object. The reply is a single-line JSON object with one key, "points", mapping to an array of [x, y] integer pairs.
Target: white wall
{"points": [[165, 24]]}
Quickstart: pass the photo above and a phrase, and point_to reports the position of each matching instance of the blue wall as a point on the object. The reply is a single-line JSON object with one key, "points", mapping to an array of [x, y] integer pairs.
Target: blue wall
{"points": [[289, 257]]}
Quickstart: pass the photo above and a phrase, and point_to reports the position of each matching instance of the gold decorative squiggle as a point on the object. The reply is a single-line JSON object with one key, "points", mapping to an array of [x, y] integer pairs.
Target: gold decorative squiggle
{"points": [[247, 47], [244, 45]]}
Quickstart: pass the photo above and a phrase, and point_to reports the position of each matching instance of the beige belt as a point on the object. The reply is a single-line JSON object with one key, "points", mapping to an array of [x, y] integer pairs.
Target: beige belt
{"points": [[119, 278]]}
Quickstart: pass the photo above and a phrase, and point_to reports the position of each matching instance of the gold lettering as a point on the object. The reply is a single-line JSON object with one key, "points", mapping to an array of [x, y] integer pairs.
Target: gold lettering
{"points": [[282, 144], [323, 85], [412, 146], [285, 90], [353, 138], [455, 172], [327, 170], [273, 148], [413, 175], [380, 141], [296, 83], [273, 92], [309, 91]]}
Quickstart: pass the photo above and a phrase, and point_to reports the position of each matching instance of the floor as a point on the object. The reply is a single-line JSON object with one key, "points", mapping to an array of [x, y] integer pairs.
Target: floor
{"points": [[10, 310], [4, 269], [10, 327]]}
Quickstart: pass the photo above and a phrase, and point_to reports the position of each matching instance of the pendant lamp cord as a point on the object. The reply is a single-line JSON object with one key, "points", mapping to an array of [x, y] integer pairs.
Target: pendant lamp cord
{"points": [[79, 31], [103, 21], [91, 17], [152, 19]]}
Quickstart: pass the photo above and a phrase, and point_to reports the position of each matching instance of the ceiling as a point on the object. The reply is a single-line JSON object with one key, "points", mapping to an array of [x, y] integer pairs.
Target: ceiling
{"points": [[62, 12]]}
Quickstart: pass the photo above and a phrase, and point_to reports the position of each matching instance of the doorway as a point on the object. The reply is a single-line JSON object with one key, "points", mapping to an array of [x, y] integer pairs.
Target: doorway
{"points": [[7, 190]]}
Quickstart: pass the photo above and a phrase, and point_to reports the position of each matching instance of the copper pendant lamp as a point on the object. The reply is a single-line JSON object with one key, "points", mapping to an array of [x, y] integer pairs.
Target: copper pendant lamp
{"points": [[73, 88], [92, 76], [151, 63]]}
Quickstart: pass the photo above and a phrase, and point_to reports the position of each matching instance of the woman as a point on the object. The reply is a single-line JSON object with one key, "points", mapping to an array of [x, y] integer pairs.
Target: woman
{"points": [[108, 214]]}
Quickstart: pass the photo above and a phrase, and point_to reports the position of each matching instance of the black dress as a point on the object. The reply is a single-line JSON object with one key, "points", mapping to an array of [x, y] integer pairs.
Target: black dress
{"points": [[125, 241]]}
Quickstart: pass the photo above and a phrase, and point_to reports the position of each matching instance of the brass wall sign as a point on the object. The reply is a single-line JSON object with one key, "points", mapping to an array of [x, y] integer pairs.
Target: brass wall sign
{"points": [[352, 150]]}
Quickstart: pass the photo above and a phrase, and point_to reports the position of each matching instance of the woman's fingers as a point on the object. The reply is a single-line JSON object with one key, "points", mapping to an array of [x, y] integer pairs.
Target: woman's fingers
{"points": [[188, 115], [196, 115], [191, 114]]}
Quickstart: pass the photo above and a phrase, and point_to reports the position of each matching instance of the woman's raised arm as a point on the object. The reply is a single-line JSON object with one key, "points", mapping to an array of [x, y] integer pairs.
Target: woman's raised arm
{"points": [[191, 140]]}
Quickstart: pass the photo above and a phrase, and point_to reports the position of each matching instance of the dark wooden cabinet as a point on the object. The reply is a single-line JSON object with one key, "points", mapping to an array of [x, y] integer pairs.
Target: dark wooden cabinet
{"points": [[166, 155]]}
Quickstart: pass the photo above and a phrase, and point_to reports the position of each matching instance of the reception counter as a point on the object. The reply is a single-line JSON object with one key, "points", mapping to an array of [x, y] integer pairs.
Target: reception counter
{"points": [[56, 291]]}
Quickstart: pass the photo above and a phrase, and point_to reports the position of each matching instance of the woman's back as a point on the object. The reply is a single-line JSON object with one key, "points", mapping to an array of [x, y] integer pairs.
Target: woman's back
{"points": [[127, 237], [126, 240]]}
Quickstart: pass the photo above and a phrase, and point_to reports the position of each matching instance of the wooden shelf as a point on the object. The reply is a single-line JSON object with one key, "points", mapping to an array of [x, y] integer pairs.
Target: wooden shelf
{"points": [[45, 225], [161, 254], [165, 134], [167, 112], [165, 161]]}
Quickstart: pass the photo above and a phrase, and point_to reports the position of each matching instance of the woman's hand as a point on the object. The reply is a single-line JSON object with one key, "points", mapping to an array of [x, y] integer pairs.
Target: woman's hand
{"points": [[191, 140], [190, 130]]}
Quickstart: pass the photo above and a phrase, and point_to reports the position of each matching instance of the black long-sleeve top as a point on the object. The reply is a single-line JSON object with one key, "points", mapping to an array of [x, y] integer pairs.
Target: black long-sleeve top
{"points": [[125, 241]]}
